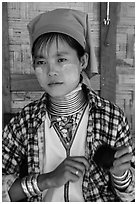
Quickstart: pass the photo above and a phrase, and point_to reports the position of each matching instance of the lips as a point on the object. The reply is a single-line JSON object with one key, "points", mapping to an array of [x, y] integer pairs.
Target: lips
{"points": [[55, 83]]}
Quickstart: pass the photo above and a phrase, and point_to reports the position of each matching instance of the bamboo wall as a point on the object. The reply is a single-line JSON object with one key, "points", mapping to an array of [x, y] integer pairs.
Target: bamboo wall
{"points": [[20, 13]]}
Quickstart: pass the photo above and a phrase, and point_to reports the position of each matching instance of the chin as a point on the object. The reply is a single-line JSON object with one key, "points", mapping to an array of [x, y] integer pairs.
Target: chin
{"points": [[56, 94]]}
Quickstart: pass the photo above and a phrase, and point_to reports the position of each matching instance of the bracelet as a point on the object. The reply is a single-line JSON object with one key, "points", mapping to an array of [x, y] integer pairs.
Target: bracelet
{"points": [[122, 184], [30, 186], [121, 177], [35, 185], [24, 187]]}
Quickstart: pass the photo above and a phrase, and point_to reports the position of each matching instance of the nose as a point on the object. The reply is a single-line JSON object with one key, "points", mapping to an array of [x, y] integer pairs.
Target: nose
{"points": [[52, 69]]}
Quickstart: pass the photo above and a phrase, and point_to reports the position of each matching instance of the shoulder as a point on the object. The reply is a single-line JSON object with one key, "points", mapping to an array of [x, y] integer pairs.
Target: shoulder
{"points": [[104, 106], [31, 113], [34, 108]]}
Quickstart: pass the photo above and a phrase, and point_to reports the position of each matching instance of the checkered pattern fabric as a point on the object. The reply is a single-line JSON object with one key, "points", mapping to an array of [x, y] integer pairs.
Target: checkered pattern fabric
{"points": [[106, 123]]}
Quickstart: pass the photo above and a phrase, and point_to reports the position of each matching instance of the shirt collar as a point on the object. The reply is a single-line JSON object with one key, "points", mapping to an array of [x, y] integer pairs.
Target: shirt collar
{"points": [[94, 99]]}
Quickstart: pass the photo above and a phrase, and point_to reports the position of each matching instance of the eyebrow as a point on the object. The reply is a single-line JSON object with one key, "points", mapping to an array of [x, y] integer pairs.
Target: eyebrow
{"points": [[58, 54], [39, 57], [62, 53]]}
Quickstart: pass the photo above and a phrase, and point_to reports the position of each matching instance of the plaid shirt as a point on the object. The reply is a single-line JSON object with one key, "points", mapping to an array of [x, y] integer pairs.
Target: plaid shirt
{"points": [[106, 124]]}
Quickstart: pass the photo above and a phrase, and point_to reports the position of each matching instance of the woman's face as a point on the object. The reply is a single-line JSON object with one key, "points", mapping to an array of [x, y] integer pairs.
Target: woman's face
{"points": [[58, 71]]}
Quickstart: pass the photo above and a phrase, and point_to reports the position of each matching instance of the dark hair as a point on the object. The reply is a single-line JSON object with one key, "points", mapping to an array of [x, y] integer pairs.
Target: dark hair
{"points": [[46, 40]]}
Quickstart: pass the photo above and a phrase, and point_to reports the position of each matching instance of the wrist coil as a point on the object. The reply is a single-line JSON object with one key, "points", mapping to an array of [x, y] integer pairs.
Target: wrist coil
{"points": [[30, 187]]}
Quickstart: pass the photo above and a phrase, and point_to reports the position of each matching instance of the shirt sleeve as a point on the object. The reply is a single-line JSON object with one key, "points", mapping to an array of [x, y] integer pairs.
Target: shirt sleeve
{"points": [[12, 151], [7, 181], [124, 138]]}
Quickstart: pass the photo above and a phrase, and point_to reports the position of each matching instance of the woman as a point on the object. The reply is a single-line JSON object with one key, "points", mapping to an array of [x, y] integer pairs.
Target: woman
{"points": [[60, 133]]}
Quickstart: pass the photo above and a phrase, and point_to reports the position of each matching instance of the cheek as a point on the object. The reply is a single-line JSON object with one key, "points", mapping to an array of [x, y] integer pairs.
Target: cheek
{"points": [[40, 76], [38, 71], [71, 72]]}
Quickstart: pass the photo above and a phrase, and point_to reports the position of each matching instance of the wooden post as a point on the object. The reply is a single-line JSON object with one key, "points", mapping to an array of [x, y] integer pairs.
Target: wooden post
{"points": [[6, 99], [108, 50]]}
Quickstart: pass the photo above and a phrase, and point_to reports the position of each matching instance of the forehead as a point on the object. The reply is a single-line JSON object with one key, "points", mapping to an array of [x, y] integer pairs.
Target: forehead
{"points": [[55, 46], [60, 45]]}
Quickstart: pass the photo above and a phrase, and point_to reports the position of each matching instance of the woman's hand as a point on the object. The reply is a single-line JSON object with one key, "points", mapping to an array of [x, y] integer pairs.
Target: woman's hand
{"points": [[122, 161], [71, 169]]}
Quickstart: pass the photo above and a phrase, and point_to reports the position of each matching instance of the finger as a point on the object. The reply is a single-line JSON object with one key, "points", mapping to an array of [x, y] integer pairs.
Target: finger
{"points": [[122, 151], [81, 159], [72, 175], [122, 160], [76, 165], [73, 178], [77, 171], [133, 159], [121, 168]]}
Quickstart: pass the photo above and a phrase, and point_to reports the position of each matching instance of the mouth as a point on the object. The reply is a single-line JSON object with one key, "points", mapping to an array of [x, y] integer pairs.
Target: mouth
{"points": [[55, 83]]}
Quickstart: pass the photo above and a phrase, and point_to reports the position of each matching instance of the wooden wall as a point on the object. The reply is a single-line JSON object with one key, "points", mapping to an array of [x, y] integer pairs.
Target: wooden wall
{"points": [[20, 13], [125, 63]]}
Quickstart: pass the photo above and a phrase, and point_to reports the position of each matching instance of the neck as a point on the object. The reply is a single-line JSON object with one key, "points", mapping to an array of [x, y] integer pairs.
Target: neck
{"points": [[68, 104]]}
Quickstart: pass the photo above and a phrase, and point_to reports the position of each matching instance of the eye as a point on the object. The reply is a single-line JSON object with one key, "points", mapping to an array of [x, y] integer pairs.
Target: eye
{"points": [[39, 62], [62, 59]]}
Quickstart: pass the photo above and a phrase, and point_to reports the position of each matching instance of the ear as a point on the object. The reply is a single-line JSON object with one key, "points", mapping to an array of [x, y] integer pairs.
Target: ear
{"points": [[84, 61]]}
